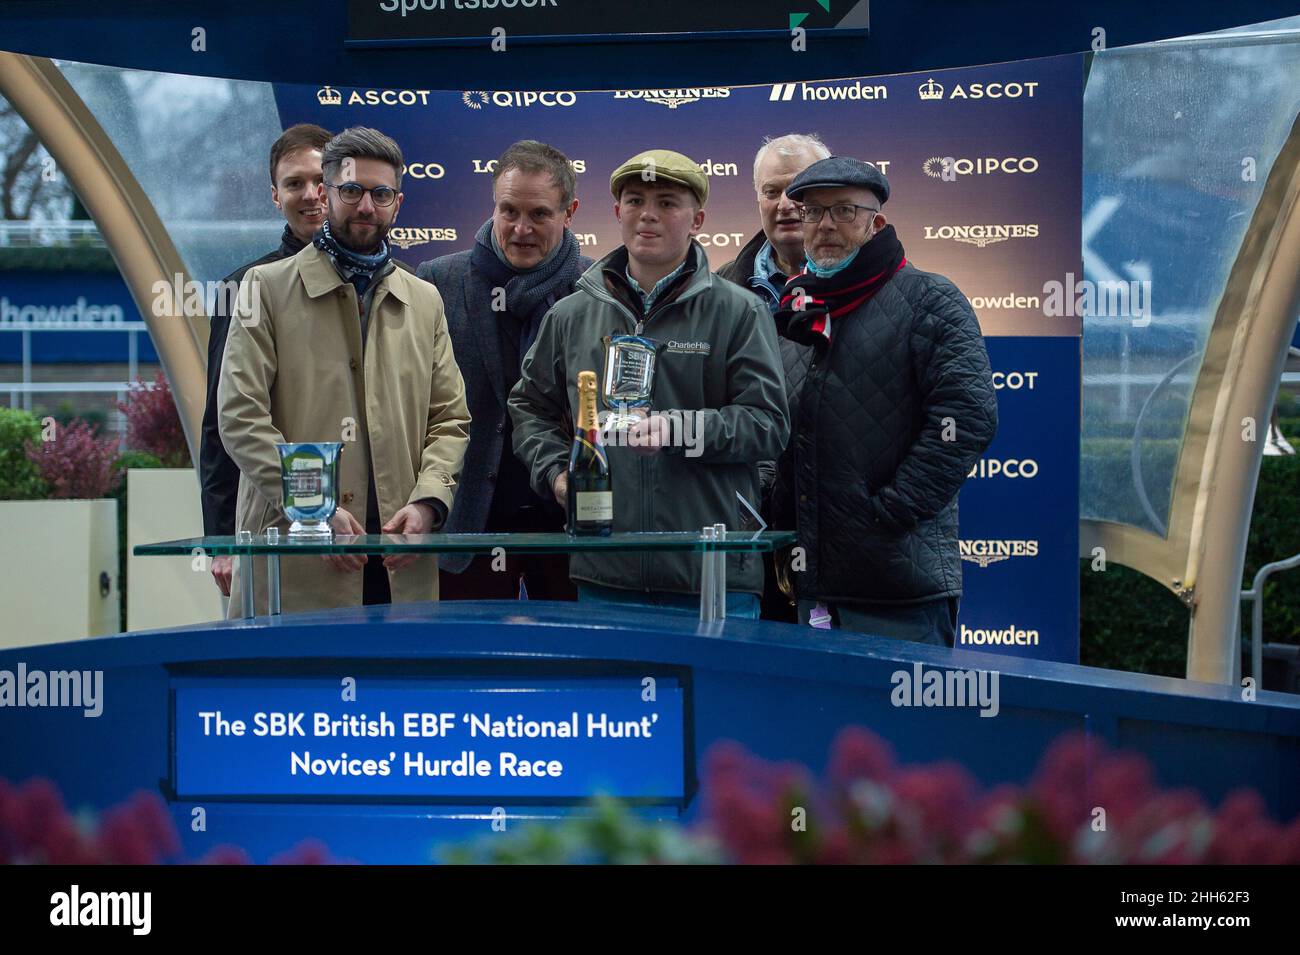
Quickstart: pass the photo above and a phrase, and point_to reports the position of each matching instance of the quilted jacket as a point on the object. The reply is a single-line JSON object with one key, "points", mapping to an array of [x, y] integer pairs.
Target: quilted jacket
{"points": [[885, 427]]}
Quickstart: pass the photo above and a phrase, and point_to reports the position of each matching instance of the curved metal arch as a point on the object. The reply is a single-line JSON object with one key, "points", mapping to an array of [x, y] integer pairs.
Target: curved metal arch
{"points": [[131, 227]]}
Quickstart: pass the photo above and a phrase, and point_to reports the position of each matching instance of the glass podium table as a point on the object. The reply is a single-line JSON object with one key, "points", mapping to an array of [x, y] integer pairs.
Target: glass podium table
{"points": [[713, 542]]}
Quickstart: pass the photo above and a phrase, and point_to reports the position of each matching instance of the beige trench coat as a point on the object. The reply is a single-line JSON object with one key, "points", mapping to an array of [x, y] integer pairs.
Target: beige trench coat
{"points": [[293, 370]]}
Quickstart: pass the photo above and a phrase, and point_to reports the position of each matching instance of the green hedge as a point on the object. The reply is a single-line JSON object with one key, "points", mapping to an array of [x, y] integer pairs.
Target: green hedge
{"points": [[20, 479], [56, 259], [1131, 622]]}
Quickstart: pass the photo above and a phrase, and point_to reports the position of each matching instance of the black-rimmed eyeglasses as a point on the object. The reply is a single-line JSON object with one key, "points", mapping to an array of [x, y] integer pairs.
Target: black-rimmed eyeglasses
{"points": [[840, 212], [351, 193]]}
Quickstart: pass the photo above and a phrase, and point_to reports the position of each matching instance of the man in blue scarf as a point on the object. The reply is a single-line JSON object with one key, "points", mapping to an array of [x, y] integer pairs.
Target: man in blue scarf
{"points": [[523, 261]]}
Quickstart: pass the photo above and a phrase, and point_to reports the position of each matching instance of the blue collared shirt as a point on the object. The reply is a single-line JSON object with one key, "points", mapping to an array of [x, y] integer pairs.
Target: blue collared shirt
{"points": [[651, 296]]}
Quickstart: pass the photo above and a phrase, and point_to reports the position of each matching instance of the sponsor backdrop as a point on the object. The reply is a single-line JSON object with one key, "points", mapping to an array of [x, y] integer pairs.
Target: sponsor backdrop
{"points": [[985, 166]]}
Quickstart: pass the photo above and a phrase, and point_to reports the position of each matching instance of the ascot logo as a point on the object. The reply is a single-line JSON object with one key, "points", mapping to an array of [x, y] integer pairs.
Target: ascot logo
{"points": [[982, 236], [405, 238], [985, 552], [329, 96], [674, 98], [946, 167], [932, 91], [477, 99]]}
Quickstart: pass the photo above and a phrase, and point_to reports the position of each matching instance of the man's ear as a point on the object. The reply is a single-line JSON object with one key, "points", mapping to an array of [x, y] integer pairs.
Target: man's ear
{"points": [[275, 197], [698, 223]]}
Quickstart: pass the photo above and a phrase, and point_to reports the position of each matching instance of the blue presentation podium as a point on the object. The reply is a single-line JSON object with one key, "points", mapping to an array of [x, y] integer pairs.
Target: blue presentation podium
{"points": [[460, 709]]}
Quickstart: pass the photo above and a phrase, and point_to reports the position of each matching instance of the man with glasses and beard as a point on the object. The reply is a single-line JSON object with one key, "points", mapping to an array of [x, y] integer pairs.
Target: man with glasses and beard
{"points": [[337, 344], [891, 406]]}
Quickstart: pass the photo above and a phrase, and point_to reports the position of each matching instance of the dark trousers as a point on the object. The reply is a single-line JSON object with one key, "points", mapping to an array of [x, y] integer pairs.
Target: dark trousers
{"points": [[934, 621], [544, 576]]}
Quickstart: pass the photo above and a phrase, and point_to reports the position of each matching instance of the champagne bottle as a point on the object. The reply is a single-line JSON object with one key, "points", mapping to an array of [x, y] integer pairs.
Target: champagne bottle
{"points": [[591, 490]]}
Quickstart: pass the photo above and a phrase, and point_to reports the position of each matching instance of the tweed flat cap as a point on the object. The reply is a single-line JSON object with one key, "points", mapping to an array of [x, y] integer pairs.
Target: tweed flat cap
{"points": [[662, 165], [840, 171]]}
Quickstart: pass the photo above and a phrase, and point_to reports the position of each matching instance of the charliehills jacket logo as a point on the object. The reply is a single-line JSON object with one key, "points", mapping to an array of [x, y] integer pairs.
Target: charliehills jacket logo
{"points": [[985, 552], [674, 98], [824, 92], [404, 238], [981, 236], [947, 167], [932, 91]]}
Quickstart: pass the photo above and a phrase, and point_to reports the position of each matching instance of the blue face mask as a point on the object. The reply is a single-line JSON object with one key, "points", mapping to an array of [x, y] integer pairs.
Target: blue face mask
{"points": [[830, 270]]}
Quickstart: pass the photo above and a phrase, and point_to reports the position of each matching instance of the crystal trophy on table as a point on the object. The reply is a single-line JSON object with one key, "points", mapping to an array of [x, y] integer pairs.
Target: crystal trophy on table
{"points": [[310, 475], [629, 379]]}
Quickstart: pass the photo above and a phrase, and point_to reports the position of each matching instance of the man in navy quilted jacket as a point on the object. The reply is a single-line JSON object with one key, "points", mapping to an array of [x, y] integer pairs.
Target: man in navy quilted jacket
{"points": [[891, 405]]}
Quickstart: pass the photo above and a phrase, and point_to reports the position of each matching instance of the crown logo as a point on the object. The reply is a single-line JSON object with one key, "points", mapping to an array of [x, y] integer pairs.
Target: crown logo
{"points": [[474, 99], [930, 90], [329, 96]]}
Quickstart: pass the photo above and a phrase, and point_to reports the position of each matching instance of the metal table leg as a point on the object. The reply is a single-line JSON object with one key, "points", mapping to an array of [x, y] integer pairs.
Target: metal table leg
{"points": [[720, 575], [246, 577], [708, 578], [273, 574]]}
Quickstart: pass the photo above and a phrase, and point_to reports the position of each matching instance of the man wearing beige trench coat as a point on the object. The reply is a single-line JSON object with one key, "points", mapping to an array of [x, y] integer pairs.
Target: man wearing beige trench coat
{"points": [[309, 359]]}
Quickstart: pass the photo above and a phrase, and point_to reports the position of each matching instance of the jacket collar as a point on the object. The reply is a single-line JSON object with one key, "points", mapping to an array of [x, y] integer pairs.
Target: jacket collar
{"points": [[290, 244], [319, 277], [593, 282]]}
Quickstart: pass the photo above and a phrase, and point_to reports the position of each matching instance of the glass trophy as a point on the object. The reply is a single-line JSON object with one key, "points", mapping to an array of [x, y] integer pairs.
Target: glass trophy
{"points": [[629, 379], [310, 475]]}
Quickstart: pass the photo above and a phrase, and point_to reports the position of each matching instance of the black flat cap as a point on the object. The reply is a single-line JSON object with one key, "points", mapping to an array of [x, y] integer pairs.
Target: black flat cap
{"points": [[840, 171]]}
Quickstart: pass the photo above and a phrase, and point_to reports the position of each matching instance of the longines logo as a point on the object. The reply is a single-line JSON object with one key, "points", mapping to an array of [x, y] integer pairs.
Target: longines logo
{"points": [[931, 91], [424, 170], [985, 552], [823, 92], [489, 165], [674, 98], [404, 238], [946, 167], [477, 99], [981, 235], [329, 96]]}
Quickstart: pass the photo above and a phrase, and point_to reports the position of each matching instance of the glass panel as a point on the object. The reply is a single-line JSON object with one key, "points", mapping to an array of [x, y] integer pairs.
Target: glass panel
{"points": [[736, 541], [198, 147], [1179, 138]]}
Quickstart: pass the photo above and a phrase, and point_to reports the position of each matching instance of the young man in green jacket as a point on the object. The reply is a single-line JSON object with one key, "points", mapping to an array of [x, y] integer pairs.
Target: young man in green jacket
{"points": [[718, 406]]}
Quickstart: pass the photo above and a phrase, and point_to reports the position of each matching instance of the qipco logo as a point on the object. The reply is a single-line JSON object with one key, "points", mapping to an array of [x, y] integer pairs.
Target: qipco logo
{"points": [[424, 170]]}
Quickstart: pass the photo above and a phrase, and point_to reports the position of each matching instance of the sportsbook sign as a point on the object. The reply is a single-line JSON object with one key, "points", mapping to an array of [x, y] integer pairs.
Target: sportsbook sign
{"points": [[468, 21]]}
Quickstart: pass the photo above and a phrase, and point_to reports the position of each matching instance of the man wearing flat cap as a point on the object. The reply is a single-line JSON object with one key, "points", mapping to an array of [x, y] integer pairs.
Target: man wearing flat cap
{"points": [[892, 405], [717, 407]]}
